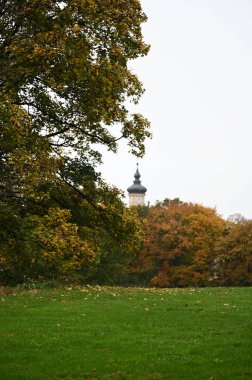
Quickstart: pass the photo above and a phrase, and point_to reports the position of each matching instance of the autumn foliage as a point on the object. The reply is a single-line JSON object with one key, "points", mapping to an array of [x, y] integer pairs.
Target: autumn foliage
{"points": [[64, 79], [234, 254], [64, 82], [190, 245]]}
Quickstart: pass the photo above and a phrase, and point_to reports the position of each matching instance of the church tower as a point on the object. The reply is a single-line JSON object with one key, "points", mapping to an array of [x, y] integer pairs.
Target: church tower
{"points": [[136, 191]]}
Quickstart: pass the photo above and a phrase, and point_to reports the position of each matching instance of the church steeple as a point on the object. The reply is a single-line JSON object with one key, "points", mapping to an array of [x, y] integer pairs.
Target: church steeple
{"points": [[136, 191]]}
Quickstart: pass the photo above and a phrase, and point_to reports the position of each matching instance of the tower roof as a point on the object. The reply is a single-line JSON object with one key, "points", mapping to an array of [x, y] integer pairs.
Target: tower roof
{"points": [[137, 188]]}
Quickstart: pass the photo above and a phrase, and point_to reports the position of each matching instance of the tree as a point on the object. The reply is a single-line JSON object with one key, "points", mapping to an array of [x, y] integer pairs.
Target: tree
{"points": [[64, 80], [234, 260], [179, 244]]}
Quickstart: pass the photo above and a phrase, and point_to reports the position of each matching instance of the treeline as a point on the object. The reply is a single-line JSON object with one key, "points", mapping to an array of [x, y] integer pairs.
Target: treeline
{"points": [[171, 244], [186, 244]]}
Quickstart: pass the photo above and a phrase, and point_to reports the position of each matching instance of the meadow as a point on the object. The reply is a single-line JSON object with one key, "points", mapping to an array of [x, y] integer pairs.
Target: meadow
{"points": [[76, 332]]}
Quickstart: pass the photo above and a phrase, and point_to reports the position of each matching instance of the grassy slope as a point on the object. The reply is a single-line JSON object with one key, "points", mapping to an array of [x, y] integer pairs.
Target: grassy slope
{"points": [[114, 333]]}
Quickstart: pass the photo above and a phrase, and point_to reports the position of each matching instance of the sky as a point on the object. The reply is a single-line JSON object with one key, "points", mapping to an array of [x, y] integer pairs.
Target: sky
{"points": [[198, 98]]}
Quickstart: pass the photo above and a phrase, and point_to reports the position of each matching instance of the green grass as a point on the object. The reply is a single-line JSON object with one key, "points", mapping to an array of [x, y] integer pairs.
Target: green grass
{"points": [[126, 333]]}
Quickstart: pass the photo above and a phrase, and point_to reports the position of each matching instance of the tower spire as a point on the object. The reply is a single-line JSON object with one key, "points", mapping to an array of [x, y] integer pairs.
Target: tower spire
{"points": [[136, 191]]}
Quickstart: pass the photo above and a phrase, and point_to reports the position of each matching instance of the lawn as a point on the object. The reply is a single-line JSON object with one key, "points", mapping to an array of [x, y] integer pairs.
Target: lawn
{"points": [[126, 333]]}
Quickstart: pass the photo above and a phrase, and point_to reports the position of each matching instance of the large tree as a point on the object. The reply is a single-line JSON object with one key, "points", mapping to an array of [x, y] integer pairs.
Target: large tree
{"points": [[179, 246], [64, 80]]}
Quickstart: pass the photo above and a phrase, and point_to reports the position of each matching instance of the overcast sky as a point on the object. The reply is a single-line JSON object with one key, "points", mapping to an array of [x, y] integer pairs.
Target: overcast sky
{"points": [[198, 81]]}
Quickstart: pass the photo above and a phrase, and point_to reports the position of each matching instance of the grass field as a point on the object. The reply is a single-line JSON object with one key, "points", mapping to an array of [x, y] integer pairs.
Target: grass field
{"points": [[126, 333]]}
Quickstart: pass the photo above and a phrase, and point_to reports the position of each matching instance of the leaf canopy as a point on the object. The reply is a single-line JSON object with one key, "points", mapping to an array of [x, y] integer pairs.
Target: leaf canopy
{"points": [[64, 82]]}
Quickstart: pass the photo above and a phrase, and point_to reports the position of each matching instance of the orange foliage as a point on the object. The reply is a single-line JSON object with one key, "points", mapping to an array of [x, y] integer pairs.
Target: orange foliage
{"points": [[179, 244], [234, 261]]}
